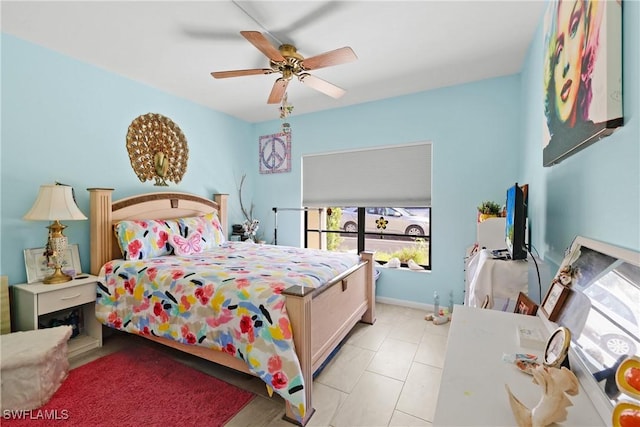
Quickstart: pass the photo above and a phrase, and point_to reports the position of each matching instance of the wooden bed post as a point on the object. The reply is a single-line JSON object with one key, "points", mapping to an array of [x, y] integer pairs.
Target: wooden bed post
{"points": [[100, 227], [222, 200], [299, 311], [370, 315]]}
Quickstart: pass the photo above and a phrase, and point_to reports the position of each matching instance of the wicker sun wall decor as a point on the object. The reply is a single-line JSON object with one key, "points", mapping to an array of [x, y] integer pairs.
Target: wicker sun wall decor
{"points": [[157, 149]]}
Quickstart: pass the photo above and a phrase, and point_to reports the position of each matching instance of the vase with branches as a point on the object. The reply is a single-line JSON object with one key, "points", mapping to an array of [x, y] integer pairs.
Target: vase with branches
{"points": [[250, 225]]}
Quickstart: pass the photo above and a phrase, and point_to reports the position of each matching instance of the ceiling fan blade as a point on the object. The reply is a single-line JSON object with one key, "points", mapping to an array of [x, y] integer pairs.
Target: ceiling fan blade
{"points": [[327, 59], [209, 34], [239, 73], [278, 91], [322, 12], [322, 85], [257, 39]]}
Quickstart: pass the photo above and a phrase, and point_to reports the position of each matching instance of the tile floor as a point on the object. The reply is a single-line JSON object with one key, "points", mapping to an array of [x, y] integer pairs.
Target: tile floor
{"points": [[386, 374]]}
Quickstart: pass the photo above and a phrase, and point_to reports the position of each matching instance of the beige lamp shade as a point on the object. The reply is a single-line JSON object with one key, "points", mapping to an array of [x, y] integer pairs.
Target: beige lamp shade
{"points": [[54, 202]]}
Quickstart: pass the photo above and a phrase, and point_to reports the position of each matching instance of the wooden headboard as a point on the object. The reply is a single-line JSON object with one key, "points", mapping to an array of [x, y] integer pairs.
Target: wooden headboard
{"points": [[104, 213]]}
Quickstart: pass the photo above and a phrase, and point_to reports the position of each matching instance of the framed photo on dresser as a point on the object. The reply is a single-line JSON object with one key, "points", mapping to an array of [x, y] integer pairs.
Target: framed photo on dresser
{"points": [[554, 300], [524, 305]]}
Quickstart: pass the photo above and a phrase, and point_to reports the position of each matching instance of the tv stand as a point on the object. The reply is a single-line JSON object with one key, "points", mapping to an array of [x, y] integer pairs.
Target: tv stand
{"points": [[500, 278]]}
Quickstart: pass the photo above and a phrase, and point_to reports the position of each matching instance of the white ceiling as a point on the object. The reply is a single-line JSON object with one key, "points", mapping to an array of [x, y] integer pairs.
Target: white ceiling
{"points": [[402, 46]]}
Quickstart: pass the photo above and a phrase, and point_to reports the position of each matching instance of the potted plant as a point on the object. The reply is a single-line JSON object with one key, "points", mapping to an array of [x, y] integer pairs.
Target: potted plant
{"points": [[488, 209]]}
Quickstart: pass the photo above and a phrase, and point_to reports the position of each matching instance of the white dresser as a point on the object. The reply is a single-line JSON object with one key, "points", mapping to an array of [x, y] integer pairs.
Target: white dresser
{"points": [[472, 390]]}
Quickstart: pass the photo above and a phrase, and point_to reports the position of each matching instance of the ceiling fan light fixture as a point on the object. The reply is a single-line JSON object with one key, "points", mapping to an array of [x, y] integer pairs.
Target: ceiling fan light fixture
{"points": [[288, 62], [287, 73], [290, 52]]}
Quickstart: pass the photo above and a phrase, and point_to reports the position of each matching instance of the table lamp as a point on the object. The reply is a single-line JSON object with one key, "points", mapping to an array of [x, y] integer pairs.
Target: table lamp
{"points": [[55, 202]]}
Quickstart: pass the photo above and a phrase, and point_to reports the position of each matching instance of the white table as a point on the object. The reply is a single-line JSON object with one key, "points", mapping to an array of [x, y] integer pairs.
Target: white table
{"points": [[472, 390]]}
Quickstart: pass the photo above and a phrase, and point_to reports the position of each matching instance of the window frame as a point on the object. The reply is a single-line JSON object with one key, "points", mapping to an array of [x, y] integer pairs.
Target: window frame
{"points": [[361, 234]]}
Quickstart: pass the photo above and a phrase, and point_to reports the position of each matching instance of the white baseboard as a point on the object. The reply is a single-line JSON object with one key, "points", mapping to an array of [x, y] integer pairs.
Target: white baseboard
{"points": [[404, 303]]}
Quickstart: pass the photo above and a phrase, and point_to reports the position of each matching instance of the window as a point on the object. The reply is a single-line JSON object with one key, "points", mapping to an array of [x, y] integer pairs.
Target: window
{"points": [[403, 233], [354, 201]]}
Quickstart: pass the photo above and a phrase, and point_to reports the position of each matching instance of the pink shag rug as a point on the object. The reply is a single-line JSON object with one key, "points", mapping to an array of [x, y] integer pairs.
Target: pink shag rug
{"points": [[136, 387]]}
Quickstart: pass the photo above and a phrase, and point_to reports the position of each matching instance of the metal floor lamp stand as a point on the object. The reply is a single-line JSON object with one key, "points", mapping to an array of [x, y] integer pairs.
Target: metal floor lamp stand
{"points": [[275, 212]]}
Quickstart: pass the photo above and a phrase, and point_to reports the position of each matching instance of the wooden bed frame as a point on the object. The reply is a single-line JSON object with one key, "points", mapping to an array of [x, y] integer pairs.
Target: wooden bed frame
{"points": [[320, 318]]}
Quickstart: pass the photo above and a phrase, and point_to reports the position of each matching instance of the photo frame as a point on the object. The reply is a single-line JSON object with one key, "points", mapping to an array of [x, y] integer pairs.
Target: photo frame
{"points": [[274, 154], [554, 300], [524, 305], [37, 267]]}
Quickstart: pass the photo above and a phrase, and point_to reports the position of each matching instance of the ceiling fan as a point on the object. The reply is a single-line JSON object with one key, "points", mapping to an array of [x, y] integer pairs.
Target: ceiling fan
{"points": [[289, 63]]}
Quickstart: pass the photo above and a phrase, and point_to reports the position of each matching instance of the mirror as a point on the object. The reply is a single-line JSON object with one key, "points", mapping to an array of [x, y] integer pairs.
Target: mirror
{"points": [[557, 348], [602, 310]]}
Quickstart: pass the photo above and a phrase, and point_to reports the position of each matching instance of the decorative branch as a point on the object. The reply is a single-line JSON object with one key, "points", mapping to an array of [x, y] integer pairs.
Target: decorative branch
{"points": [[249, 215]]}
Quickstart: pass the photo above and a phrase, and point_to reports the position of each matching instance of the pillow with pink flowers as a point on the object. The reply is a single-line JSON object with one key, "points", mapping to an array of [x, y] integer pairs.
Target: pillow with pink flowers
{"points": [[142, 239], [207, 225]]}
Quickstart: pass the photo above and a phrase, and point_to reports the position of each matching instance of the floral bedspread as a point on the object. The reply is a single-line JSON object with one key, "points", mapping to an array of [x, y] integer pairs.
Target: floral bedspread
{"points": [[228, 299]]}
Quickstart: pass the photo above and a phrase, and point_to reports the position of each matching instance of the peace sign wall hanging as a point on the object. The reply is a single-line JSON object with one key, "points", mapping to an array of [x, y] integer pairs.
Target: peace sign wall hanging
{"points": [[274, 153]]}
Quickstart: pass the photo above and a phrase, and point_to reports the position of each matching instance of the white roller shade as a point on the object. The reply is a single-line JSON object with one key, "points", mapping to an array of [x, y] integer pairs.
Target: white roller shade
{"points": [[398, 175]]}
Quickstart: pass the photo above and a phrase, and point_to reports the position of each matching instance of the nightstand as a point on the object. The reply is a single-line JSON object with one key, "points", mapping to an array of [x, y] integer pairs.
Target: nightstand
{"points": [[35, 303]]}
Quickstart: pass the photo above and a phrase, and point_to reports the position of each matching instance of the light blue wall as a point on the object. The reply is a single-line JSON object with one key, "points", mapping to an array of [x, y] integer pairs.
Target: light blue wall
{"points": [[596, 192], [474, 130], [66, 121], [486, 135]]}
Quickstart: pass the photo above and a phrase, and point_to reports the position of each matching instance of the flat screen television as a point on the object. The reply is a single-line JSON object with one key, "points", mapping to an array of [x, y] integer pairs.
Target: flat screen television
{"points": [[516, 223]]}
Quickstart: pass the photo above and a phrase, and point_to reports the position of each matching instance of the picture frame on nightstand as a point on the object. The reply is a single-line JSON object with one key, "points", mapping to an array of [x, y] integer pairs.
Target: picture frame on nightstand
{"points": [[38, 268]]}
